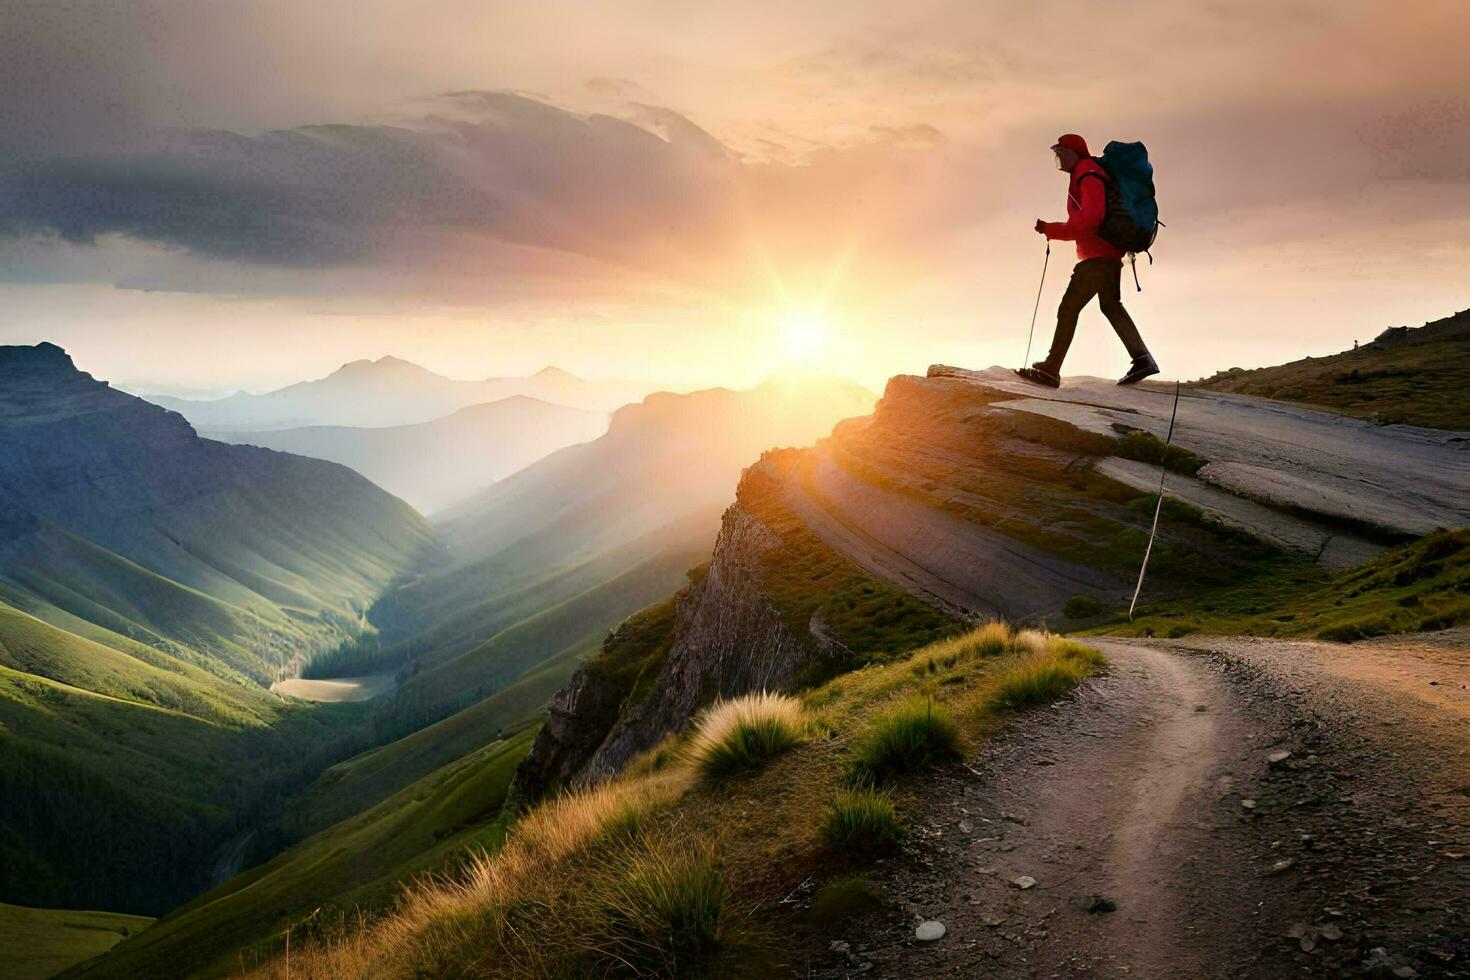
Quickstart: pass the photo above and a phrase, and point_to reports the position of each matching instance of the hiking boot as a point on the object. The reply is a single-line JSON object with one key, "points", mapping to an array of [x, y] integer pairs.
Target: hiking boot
{"points": [[1143, 367], [1041, 373]]}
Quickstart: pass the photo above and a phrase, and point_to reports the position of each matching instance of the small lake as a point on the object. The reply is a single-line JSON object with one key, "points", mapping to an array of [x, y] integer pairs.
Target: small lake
{"points": [[363, 688]]}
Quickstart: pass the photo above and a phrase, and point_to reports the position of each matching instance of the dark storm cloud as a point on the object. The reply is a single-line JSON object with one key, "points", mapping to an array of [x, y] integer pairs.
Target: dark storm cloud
{"points": [[313, 196], [486, 163]]}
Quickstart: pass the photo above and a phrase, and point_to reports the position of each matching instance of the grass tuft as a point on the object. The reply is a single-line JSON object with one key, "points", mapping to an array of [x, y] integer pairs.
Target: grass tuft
{"points": [[659, 911], [862, 821], [1034, 642], [1079, 653], [990, 640], [902, 739], [1041, 678], [740, 735]]}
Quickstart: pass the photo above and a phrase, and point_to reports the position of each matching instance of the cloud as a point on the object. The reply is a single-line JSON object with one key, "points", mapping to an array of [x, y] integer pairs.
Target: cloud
{"points": [[495, 164], [473, 172], [899, 143]]}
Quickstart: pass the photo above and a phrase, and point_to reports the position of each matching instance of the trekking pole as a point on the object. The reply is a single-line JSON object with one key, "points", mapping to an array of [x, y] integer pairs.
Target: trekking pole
{"points": [[1158, 506], [1026, 361]]}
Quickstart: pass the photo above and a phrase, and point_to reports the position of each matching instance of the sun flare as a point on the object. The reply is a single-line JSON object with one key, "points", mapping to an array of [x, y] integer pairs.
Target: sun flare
{"points": [[804, 335]]}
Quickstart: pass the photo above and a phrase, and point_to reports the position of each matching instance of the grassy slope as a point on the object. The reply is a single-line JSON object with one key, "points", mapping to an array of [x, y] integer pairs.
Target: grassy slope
{"points": [[356, 864], [64, 579], [130, 671], [514, 673], [1420, 586], [150, 582], [252, 593], [760, 833], [134, 783], [1418, 377], [40, 943], [576, 623], [376, 794], [452, 610], [142, 762]]}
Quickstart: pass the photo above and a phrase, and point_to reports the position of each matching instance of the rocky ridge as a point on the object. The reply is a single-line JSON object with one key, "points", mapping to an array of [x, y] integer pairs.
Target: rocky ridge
{"points": [[729, 638], [987, 497]]}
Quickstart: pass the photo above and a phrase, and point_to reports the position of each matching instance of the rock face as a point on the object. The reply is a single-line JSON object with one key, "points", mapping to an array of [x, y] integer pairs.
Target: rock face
{"points": [[577, 720], [728, 639]]}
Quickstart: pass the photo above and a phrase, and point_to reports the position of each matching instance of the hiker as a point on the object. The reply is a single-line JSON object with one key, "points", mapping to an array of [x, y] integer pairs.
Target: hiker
{"points": [[1099, 270]]}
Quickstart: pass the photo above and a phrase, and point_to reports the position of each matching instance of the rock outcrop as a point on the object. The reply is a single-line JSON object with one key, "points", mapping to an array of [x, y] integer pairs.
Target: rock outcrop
{"points": [[729, 638], [983, 496]]}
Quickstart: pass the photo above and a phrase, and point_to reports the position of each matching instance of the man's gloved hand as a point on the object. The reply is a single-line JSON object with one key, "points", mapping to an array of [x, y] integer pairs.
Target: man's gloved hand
{"points": [[1040, 227]]}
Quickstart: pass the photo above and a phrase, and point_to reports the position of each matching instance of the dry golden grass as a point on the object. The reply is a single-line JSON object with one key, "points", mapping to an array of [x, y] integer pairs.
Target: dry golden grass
{"points": [[449, 926], [742, 733], [990, 640], [1034, 642], [655, 873], [1040, 678]]}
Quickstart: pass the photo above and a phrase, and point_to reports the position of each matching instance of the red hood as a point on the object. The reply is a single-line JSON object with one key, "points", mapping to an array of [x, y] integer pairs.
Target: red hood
{"points": [[1075, 143]]}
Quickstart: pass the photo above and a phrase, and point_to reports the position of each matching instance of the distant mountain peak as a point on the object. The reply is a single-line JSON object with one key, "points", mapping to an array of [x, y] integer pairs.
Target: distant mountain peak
{"points": [[385, 366], [389, 391]]}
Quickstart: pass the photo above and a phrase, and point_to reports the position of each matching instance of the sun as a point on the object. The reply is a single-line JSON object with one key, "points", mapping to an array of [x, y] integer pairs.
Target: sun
{"points": [[804, 335]]}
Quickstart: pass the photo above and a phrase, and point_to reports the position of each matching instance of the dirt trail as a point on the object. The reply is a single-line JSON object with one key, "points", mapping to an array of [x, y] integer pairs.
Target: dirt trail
{"points": [[1168, 835]]}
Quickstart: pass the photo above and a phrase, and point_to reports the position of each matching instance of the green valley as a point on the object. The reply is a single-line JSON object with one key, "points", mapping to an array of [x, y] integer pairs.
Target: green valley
{"points": [[151, 583], [48, 941]]}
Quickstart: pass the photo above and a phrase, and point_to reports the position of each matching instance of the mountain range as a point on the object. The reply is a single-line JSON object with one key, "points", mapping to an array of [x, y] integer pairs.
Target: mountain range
{"points": [[391, 391], [566, 528], [433, 465], [540, 568], [151, 582]]}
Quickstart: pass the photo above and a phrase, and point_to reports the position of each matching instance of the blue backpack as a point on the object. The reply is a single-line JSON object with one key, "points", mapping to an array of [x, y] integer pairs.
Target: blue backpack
{"points": [[1132, 220]]}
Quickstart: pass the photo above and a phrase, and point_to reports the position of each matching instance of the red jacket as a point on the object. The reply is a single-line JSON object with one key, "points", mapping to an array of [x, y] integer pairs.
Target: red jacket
{"points": [[1087, 202]]}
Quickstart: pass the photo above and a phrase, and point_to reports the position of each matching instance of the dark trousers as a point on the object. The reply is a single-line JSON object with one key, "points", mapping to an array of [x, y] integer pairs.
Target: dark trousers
{"points": [[1101, 278]]}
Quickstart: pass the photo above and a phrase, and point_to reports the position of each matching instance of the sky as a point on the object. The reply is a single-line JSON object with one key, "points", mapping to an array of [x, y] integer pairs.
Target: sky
{"points": [[201, 197]]}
